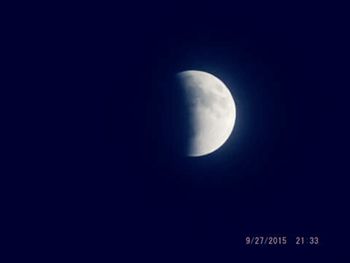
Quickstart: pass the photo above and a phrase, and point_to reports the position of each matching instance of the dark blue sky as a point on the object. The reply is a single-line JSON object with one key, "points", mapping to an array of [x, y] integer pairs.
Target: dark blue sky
{"points": [[279, 172], [112, 171]]}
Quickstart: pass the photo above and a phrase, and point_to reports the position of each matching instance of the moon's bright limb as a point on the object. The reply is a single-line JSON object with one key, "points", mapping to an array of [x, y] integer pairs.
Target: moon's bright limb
{"points": [[212, 111]]}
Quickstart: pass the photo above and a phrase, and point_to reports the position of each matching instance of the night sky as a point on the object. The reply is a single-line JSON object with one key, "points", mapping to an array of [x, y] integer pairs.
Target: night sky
{"points": [[120, 189]]}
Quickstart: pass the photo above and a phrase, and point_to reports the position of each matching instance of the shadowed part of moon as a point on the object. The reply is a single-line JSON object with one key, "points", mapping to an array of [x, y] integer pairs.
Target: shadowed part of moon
{"points": [[210, 110]]}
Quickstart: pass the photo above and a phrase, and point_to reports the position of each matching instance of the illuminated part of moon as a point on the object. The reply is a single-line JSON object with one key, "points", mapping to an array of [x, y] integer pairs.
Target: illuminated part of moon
{"points": [[212, 111]]}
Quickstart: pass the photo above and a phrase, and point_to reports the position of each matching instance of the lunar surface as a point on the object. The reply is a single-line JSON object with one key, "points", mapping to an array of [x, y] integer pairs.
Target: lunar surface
{"points": [[211, 109]]}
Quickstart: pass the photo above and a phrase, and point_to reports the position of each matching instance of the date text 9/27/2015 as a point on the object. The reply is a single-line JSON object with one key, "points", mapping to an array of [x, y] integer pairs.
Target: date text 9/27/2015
{"points": [[282, 240]]}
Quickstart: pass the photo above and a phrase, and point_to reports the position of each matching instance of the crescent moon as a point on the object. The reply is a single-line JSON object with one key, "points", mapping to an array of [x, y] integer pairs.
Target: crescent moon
{"points": [[212, 111]]}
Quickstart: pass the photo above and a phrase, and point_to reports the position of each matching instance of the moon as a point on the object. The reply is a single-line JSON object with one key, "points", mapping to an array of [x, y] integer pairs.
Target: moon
{"points": [[211, 109]]}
